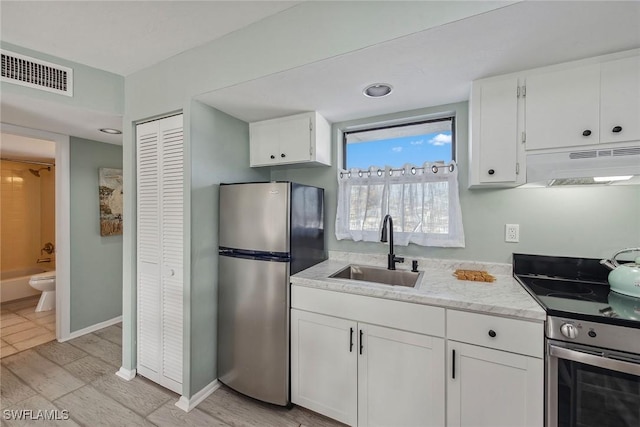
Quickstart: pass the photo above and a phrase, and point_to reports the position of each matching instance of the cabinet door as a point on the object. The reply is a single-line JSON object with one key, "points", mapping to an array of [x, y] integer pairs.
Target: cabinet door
{"points": [[281, 141], [324, 357], [401, 378], [295, 139], [492, 388], [265, 142], [561, 106], [620, 100], [495, 130]]}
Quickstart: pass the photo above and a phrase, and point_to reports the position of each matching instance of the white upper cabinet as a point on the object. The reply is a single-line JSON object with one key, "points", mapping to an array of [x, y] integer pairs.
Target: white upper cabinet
{"points": [[301, 139], [580, 104], [620, 100], [563, 108], [589, 104], [494, 132]]}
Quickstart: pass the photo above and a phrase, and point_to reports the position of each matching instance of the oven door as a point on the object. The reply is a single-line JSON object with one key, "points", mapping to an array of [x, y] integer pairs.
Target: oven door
{"points": [[591, 387]]}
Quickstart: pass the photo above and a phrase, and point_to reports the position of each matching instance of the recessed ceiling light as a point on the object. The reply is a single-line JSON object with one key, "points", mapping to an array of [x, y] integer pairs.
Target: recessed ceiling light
{"points": [[377, 90], [111, 131]]}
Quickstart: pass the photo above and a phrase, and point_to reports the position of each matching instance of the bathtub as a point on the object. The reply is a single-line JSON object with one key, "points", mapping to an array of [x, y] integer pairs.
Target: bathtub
{"points": [[14, 284]]}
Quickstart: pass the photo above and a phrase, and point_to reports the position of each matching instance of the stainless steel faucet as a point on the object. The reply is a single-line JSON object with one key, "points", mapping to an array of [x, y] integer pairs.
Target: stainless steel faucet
{"points": [[387, 224]]}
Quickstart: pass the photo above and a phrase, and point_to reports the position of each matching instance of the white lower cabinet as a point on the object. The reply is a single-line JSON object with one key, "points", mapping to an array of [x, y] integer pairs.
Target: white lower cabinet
{"points": [[375, 362], [495, 371], [324, 365], [366, 375], [493, 388], [400, 378]]}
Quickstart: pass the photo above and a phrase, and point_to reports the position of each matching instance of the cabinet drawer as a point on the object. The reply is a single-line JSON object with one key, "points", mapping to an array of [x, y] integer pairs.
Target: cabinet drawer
{"points": [[423, 319], [517, 336]]}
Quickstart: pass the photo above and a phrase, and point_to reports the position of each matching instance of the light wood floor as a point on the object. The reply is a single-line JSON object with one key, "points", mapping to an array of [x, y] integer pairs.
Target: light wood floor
{"points": [[78, 376], [22, 328]]}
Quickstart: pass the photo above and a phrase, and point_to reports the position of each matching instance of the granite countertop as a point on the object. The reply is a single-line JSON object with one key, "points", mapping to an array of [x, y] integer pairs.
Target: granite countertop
{"points": [[438, 286]]}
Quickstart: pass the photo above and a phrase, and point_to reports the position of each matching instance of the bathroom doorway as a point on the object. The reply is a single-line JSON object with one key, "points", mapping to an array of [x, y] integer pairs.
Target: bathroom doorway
{"points": [[34, 213]]}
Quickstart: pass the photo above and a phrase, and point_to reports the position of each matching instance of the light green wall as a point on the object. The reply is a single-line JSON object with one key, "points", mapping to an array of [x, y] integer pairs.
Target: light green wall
{"points": [[96, 261], [93, 89], [219, 152], [577, 221], [305, 33]]}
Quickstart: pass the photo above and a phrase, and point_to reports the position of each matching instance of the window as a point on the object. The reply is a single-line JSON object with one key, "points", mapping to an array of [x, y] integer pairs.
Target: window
{"points": [[397, 145], [406, 171]]}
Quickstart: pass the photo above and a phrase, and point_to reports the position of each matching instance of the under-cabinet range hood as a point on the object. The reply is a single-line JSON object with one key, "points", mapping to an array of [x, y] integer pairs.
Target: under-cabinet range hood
{"points": [[580, 166]]}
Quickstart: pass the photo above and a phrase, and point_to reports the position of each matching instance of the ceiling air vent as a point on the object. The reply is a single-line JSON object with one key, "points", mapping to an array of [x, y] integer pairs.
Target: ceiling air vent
{"points": [[34, 73]]}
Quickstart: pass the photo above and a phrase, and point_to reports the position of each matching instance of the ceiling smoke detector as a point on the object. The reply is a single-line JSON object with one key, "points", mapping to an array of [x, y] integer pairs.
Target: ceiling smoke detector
{"points": [[377, 90]]}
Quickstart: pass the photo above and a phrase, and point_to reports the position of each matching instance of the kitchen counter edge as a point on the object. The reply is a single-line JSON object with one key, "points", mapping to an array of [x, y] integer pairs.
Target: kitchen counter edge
{"points": [[438, 287]]}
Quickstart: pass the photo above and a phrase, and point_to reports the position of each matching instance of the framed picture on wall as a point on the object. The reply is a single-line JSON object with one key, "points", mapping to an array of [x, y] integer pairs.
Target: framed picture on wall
{"points": [[110, 191]]}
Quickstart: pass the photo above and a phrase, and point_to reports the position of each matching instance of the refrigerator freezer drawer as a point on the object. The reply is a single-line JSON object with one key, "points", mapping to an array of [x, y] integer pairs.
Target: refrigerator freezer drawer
{"points": [[253, 328]]}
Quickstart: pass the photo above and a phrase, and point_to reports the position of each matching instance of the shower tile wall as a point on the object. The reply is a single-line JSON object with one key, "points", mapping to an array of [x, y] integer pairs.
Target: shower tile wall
{"points": [[23, 230]]}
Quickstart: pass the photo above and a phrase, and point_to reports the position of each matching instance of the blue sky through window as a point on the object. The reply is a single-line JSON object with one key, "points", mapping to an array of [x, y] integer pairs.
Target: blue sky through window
{"points": [[395, 152]]}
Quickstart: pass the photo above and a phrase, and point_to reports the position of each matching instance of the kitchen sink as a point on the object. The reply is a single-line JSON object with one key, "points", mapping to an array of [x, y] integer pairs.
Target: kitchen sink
{"points": [[378, 275]]}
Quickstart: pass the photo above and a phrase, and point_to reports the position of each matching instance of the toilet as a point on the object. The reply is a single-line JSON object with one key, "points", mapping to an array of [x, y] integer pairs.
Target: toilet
{"points": [[45, 282]]}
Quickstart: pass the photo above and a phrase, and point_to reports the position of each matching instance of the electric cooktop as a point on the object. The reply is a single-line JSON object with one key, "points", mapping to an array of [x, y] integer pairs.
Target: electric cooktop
{"points": [[575, 288]]}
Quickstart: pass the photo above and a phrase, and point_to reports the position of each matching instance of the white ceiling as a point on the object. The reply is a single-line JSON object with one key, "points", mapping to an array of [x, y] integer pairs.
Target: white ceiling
{"points": [[59, 118], [17, 147], [428, 68], [117, 36], [436, 66], [126, 36]]}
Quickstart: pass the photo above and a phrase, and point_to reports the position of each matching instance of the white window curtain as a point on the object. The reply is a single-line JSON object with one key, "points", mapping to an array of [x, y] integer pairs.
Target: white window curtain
{"points": [[422, 200]]}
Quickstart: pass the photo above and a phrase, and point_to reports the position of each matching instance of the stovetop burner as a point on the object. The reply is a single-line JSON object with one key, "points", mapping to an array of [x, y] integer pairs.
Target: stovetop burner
{"points": [[561, 288], [575, 288]]}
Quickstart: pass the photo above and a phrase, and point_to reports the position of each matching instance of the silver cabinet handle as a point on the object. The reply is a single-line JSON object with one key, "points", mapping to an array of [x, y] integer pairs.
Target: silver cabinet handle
{"points": [[593, 360]]}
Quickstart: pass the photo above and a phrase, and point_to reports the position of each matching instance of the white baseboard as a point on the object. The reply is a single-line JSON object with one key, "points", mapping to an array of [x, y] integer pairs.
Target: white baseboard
{"points": [[188, 404], [126, 374], [91, 328]]}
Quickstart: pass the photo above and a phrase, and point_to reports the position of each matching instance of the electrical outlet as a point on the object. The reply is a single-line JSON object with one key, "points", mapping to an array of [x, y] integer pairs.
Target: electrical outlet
{"points": [[512, 233]]}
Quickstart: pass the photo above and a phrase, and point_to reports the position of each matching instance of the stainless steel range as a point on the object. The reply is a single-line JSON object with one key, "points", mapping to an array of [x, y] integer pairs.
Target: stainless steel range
{"points": [[592, 342]]}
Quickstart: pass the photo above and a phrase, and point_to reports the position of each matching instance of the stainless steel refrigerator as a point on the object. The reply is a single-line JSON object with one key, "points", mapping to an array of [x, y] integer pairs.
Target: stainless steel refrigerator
{"points": [[267, 231]]}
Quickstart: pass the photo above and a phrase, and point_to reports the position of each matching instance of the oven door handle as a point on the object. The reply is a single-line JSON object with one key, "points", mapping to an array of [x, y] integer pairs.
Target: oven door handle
{"points": [[593, 360]]}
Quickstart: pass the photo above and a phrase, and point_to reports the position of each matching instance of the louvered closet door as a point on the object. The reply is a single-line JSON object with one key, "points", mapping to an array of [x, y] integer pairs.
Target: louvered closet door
{"points": [[171, 225], [160, 211], [148, 238]]}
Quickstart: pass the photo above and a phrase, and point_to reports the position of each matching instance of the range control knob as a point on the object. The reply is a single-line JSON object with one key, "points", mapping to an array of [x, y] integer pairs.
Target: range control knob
{"points": [[569, 330]]}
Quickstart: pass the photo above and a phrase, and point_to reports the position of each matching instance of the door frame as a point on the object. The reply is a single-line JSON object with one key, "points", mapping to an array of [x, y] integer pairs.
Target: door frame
{"points": [[63, 222]]}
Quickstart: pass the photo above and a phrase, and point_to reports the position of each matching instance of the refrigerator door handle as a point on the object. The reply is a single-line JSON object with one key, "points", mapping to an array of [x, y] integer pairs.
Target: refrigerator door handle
{"points": [[259, 256]]}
